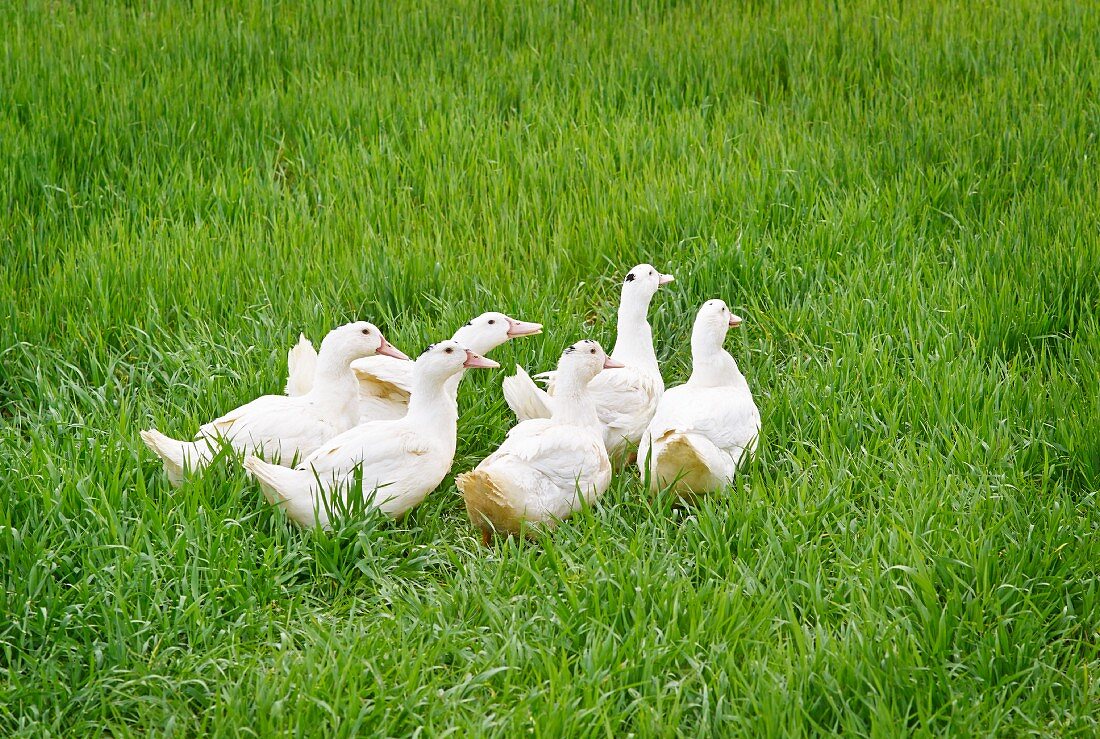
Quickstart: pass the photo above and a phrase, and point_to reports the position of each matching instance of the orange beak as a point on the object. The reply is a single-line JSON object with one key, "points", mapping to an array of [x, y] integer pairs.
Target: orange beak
{"points": [[476, 361], [522, 328], [390, 350]]}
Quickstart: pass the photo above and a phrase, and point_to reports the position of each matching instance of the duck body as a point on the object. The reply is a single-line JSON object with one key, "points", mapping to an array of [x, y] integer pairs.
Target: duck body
{"points": [[546, 467], [283, 428], [538, 476], [624, 399], [698, 437], [397, 467], [704, 429], [391, 465]]}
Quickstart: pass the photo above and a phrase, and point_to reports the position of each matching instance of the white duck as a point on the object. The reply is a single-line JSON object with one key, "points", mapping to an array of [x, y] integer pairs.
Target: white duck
{"points": [[625, 400], [704, 428], [385, 384], [536, 474], [280, 425], [400, 461]]}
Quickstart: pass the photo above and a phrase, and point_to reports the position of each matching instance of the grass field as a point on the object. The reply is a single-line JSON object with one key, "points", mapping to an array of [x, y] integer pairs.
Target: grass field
{"points": [[900, 198]]}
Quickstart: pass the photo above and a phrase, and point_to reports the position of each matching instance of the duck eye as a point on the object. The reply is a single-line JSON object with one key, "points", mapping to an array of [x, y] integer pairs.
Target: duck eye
{"points": [[366, 332], [449, 350], [492, 321], [650, 273], [591, 351]]}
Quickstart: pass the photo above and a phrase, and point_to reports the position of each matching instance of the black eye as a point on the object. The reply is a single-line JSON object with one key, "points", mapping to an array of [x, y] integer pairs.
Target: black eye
{"points": [[591, 351], [630, 277], [449, 350], [366, 332], [492, 321], [650, 273]]}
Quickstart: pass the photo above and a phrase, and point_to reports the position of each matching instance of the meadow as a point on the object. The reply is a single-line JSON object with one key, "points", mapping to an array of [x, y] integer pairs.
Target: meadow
{"points": [[899, 198]]}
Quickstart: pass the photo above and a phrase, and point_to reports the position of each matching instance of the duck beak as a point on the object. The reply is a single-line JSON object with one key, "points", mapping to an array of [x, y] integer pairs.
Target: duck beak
{"points": [[665, 279], [735, 320], [610, 363], [476, 361], [390, 350], [522, 328]]}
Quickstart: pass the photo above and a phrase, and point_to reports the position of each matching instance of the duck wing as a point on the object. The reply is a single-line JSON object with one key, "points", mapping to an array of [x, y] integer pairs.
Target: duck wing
{"points": [[379, 446], [384, 377], [271, 422], [625, 400]]}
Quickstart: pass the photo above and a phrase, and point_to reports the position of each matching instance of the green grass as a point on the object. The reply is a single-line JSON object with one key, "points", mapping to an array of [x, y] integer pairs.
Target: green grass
{"points": [[900, 198]]}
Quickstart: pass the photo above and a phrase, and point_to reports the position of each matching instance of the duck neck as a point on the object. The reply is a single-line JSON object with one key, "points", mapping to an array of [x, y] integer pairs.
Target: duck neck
{"points": [[471, 338], [452, 383], [711, 364], [634, 337], [572, 403], [335, 389], [433, 409]]}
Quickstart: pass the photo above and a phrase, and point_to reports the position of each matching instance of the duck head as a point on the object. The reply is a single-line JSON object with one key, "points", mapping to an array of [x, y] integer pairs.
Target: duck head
{"points": [[713, 321], [642, 283], [584, 360], [359, 339], [448, 358], [490, 330]]}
